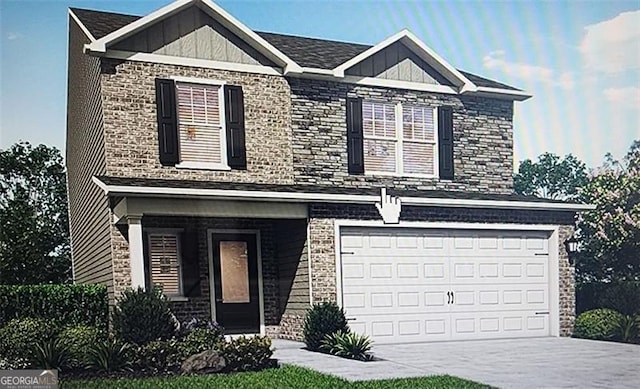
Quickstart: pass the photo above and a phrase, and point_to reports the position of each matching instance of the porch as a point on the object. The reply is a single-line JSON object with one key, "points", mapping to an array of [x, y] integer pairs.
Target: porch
{"points": [[242, 264]]}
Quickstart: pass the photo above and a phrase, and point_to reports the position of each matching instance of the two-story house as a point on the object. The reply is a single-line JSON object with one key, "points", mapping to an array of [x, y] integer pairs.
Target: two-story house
{"points": [[251, 174]]}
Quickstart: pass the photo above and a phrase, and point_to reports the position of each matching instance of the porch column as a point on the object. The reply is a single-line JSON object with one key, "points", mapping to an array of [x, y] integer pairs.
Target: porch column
{"points": [[136, 254]]}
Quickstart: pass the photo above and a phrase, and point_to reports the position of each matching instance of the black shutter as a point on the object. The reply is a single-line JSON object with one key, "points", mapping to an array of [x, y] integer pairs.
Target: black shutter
{"points": [[167, 121], [190, 264], [355, 144], [445, 142], [234, 115]]}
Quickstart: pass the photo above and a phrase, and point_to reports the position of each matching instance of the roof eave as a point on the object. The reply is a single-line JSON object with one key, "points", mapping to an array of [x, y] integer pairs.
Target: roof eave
{"points": [[306, 197], [422, 50], [100, 46], [500, 93]]}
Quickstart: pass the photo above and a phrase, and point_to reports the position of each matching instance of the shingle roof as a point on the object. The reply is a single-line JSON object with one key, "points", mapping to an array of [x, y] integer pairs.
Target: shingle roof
{"points": [[101, 23], [303, 188], [306, 52], [313, 52]]}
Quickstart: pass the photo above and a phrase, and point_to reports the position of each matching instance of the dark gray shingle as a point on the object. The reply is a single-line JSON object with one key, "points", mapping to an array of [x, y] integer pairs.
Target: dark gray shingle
{"points": [[306, 52]]}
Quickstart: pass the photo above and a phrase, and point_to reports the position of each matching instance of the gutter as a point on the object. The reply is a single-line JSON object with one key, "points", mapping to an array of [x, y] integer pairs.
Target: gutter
{"points": [[298, 197]]}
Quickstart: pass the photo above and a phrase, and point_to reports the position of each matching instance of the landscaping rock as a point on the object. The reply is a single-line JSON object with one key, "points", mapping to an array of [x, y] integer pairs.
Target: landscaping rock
{"points": [[206, 362]]}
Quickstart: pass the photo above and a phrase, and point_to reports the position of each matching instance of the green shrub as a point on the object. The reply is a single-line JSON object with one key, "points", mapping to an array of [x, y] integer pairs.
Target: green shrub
{"points": [[627, 329], [52, 354], [62, 304], [596, 324], [110, 355], [78, 340], [141, 316], [247, 354], [321, 320], [18, 337], [159, 356], [198, 340], [347, 345]]}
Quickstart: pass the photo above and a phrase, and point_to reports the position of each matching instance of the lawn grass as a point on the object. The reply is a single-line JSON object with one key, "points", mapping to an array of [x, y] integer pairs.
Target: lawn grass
{"points": [[285, 377]]}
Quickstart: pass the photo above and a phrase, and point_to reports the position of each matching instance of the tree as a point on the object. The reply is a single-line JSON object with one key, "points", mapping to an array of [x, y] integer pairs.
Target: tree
{"points": [[610, 234], [551, 177], [34, 228]]}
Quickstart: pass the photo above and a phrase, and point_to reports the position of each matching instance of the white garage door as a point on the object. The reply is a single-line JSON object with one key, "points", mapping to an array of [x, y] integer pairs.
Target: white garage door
{"points": [[408, 285]]}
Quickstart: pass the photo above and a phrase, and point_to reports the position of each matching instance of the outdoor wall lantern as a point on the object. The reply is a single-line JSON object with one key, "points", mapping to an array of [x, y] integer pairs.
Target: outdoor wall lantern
{"points": [[571, 245]]}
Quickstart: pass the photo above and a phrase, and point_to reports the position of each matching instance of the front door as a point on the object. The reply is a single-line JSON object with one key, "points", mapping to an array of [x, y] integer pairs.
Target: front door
{"points": [[235, 276]]}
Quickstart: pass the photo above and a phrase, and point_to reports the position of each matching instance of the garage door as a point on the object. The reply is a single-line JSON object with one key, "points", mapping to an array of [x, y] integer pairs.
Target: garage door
{"points": [[408, 285]]}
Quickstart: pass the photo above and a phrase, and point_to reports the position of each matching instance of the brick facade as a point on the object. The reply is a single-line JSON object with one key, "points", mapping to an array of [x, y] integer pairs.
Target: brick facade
{"points": [[483, 138], [131, 130], [322, 236], [201, 306], [296, 134]]}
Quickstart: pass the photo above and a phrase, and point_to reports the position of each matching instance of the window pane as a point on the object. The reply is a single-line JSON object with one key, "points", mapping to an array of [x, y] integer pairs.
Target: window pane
{"points": [[417, 123], [234, 269], [379, 155], [198, 104], [200, 144], [418, 158], [378, 119], [165, 271]]}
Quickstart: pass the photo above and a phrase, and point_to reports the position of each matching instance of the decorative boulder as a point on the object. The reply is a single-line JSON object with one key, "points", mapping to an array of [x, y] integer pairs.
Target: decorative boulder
{"points": [[206, 362]]}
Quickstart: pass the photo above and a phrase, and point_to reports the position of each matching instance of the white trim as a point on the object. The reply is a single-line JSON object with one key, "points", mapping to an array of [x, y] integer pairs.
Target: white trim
{"points": [[198, 80], [553, 243], [136, 251], [216, 12], [212, 290], [382, 82], [82, 26], [202, 165], [118, 190], [207, 208], [420, 49], [499, 93], [309, 261], [192, 62]]}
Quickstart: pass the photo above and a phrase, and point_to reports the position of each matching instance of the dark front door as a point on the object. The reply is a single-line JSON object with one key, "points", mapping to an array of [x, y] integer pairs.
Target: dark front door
{"points": [[235, 275]]}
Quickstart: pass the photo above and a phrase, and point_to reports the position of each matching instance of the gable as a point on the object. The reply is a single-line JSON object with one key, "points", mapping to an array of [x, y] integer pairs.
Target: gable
{"points": [[397, 62], [192, 33]]}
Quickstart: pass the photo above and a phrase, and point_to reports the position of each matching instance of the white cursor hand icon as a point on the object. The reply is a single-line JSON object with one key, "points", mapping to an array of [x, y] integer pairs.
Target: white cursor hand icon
{"points": [[389, 207]]}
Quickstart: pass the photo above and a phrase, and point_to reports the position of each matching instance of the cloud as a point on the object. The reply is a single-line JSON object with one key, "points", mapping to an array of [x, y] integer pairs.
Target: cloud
{"points": [[496, 60], [12, 36], [612, 46], [626, 97]]}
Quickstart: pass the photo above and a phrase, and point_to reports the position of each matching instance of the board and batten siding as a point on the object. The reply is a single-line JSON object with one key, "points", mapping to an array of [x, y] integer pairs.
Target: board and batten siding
{"points": [[192, 33], [88, 206], [293, 268], [397, 62]]}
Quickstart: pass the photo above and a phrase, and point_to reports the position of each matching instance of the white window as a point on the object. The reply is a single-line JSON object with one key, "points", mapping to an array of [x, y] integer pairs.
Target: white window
{"points": [[201, 125], [165, 262], [399, 139]]}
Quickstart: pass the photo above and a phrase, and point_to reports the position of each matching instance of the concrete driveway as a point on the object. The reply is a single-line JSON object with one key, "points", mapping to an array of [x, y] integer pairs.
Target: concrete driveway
{"points": [[513, 363]]}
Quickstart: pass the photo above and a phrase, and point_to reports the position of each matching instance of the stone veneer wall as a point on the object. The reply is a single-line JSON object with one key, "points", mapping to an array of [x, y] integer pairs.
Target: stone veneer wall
{"points": [[131, 130], [483, 137], [322, 243], [200, 306]]}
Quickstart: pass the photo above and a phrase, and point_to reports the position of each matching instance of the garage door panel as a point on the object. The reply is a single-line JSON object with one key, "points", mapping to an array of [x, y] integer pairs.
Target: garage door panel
{"points": [[396, 300], [500, 270], [396, 283], [492, 298], [405, 328], [491, 325]]}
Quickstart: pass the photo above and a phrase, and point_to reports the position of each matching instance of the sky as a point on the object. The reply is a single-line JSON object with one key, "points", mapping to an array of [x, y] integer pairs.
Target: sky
{"points": [[579, 59]]}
